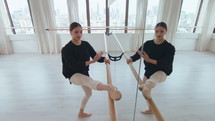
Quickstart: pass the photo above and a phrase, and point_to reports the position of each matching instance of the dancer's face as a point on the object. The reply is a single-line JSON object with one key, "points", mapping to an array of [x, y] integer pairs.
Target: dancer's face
{"points": [[160, 32], [76, 33]]}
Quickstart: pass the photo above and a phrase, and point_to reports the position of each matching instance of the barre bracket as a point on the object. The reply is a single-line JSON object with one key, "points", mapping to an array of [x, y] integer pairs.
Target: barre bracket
{"points": [[115, 58]]}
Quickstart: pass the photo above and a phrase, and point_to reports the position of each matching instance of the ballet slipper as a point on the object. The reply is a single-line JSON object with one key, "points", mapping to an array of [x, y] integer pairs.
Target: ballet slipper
{"points": [[146, 112], [80, 115], [114, 93]]}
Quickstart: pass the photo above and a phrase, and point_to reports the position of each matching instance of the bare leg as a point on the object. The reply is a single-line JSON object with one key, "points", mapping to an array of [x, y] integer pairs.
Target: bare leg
{"points": [[88, 93], [147, 111], [150, 83]]}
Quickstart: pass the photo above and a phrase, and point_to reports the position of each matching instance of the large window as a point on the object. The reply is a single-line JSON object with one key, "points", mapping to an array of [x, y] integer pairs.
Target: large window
{"points": [[117, 15], [188, 16], [19, 15], [97, 14], [151, 16], [132, 14], [82, 12], [61, 14]]}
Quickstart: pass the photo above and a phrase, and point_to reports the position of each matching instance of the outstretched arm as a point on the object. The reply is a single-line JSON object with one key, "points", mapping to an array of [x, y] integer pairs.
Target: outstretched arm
{"points": [[136, 56], [96, 58], [145, 56], [129, 60]]}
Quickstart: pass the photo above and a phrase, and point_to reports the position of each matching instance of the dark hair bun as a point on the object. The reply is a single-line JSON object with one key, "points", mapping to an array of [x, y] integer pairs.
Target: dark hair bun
{"points": [[162, 24], [74, 25]]}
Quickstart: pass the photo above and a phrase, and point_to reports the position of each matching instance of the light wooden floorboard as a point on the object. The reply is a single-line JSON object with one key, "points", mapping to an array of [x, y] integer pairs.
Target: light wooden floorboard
{"points": [[32, 88]]}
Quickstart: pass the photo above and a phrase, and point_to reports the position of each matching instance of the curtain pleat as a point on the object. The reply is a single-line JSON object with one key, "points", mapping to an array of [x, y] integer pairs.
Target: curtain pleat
{"points": [[43, 17], [169, 11], [207, 28], [138, 37], [5, 45]]}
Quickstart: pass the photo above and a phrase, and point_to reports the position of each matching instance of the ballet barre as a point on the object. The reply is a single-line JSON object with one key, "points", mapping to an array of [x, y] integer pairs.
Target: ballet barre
{"points": [[131, 29], [112, 110]]}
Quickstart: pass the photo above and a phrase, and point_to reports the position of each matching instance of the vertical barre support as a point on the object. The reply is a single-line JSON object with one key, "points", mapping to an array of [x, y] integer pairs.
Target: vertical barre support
{"points": [[125, 55]]}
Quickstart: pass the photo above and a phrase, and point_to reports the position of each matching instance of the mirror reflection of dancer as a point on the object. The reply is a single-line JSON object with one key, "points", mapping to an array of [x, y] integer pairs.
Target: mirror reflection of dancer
{"points": [[76, 60], [158, 55]]}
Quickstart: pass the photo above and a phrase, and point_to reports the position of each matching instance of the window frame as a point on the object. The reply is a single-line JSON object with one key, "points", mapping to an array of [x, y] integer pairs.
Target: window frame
{"points": [[13, 28], [196, 18], [107, 11]]}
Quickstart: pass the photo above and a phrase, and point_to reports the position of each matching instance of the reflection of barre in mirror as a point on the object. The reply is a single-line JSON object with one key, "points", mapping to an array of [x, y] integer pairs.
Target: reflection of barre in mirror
{"points": [[158, 55]]}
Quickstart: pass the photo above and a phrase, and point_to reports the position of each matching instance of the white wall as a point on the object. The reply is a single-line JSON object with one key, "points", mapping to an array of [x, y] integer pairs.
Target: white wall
{"points": [[97, 41], [28, 43], [211, 46], [183, 41], [186, 41], [24, 43]]}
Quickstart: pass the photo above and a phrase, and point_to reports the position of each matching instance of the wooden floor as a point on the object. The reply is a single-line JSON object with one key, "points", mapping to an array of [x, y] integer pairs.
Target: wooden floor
{"points": [[32, 88]]}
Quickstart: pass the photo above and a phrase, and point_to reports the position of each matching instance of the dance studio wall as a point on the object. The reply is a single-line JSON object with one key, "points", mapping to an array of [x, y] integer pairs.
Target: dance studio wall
{"points": [[28, 43]]}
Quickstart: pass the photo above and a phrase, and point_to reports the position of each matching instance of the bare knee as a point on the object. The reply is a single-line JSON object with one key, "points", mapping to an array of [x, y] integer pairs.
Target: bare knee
{"points": [[150, 84], [88, 94]]}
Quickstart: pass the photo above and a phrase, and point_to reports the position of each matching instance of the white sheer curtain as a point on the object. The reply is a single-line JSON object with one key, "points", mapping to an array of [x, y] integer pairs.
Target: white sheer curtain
{"points": [[73, 10], [43, 17], [140, 23], [5, 46], [208, 26], [169, 11]]}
